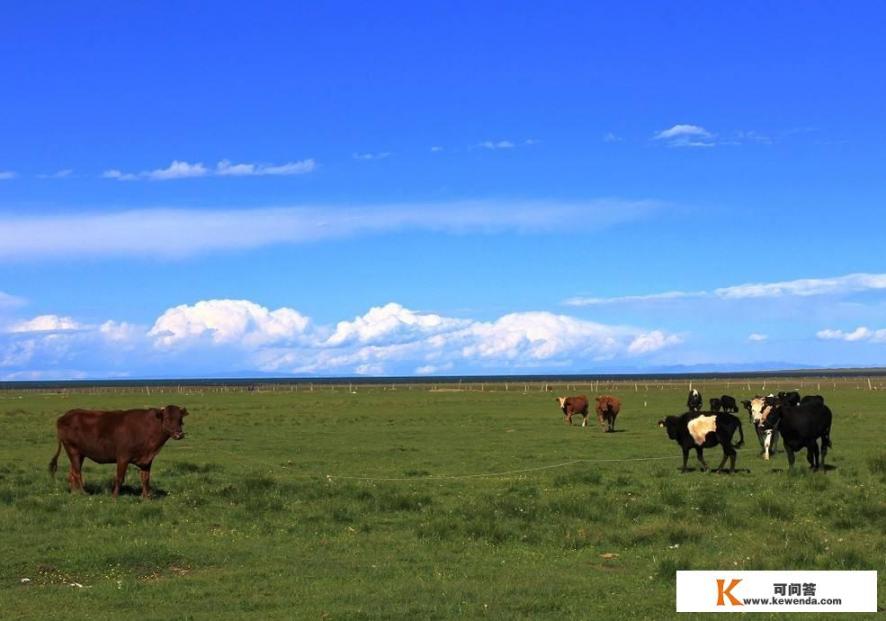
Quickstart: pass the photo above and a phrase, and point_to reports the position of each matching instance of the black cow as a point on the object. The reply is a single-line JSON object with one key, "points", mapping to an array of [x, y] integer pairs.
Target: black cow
{"points": [[791, 398], [812, 399], [694, 401], [701, 430], [715, 404], [728, 404], [801, 426]]}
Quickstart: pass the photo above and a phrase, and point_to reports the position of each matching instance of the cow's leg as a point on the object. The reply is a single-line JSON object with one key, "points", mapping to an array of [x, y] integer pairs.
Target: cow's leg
{"points": [[685, 457], [121, 474], [824, 449], [767, 443], [812, 454], [790, 454], [75, 473], [699, 453], [774, 443], [145, 475], [584, 420]]}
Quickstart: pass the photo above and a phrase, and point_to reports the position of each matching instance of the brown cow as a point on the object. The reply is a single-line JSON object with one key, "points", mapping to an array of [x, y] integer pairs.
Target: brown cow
{"points": [[122, 436], [607, 409], [574, 405]]}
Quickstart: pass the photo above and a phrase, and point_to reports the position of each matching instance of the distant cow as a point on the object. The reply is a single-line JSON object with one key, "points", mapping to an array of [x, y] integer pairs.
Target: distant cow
{"points": [[801, 426], [607, 410], [122, 437], [812, 399], [728, 404], [701, 430], [759, 409], [715, 404], [574, 405], [791, 398], [694, 401]]}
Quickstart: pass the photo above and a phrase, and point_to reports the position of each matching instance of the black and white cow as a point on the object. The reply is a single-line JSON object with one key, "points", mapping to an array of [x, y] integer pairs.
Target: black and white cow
{"points": [[694, 401], [801, 426], [701, 430], [758, 409]]}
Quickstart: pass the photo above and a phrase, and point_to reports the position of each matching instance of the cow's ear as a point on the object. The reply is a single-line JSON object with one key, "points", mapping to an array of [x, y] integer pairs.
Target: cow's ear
{"points": [[160, 412]]}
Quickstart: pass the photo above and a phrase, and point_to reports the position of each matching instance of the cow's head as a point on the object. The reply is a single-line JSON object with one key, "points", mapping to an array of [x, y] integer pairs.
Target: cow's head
{"points": [[671, 424], [773, 417], [171, 420], [761, 407], [562, 402]]}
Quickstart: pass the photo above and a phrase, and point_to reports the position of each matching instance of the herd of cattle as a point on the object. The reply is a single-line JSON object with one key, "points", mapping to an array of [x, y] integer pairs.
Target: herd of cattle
{"points": [[126, 437], [799, 422]]}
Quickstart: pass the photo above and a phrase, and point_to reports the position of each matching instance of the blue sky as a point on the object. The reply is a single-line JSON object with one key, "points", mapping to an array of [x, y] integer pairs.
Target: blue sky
{"points": [[440, 188]]}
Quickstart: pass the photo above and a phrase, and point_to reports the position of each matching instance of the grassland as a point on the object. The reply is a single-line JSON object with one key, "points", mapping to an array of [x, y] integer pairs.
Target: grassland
{"points": [[255, 515]]}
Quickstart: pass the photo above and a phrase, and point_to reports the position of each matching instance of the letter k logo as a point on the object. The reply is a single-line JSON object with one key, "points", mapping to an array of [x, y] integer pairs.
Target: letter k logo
{"points": [[727, 592]]}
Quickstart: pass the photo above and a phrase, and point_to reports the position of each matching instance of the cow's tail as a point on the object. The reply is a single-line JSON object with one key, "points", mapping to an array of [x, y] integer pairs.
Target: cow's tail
{"points": [[740, 433], [826, 438], [53, 463]]}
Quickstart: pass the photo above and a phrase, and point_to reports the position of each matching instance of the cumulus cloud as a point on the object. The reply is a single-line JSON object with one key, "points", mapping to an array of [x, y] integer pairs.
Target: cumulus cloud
{"points": [[228, 322], [861, 333], [7, 174], [391, 322], [756, 337], [186, 232], [436, 149], [225, 168], [685, 135], [45, 323], [240, 336], [803, 287]]}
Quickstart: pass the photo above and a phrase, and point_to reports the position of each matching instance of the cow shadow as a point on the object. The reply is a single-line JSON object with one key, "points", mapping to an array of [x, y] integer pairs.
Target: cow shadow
{"points": [[96, 489]]}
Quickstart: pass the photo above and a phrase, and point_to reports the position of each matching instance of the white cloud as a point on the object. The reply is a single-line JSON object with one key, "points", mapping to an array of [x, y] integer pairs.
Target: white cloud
{"points": [[436, 149], [806, 287], [187, 232], [226, 322], [45, 323], [611, 137], [682, 130], [685, 135], [10, 301], [803, 287], [242, 336], [652, 341], [388, 323], [59, 174], [372, 156], [861, 333], [496, 144], [7, 174], [756, 337], [225, 168], [625, 299]]}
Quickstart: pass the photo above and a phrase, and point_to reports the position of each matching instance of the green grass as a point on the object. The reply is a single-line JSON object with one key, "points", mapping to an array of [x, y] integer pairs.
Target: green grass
{"points": [[255, 515]]}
